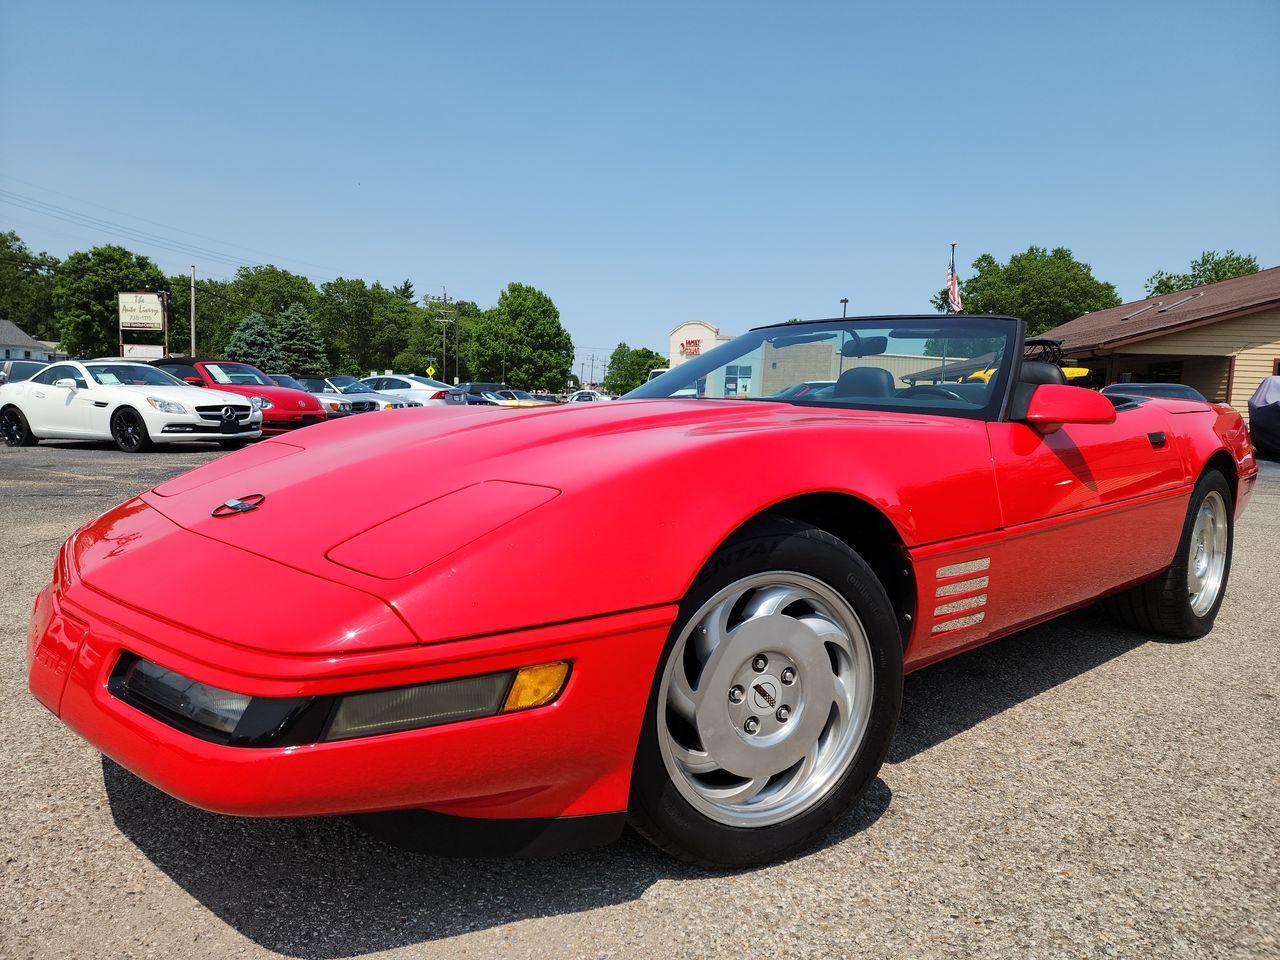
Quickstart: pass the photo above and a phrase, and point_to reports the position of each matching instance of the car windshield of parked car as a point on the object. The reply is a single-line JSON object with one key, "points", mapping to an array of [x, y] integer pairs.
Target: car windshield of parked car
{"points": [[284, 380], [131, 375], [237, 374], [350, 385], [314, 384], [909, 364], [428, 382]]}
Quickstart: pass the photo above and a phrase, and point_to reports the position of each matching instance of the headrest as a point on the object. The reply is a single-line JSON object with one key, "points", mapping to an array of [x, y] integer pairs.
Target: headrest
{"points": [[864, 382], [1039, 371]]}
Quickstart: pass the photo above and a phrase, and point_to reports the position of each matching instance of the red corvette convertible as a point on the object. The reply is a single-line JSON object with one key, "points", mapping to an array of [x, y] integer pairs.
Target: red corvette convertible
{"points": [[691, 609]]}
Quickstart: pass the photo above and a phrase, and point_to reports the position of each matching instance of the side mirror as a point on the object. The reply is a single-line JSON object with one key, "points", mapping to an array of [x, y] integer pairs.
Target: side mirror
{"points": [[66, 383], [194, 381], [1053, 405], [4, 378]]}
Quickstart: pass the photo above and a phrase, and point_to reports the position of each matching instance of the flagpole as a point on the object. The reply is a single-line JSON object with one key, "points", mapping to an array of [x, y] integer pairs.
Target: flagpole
{"points": [[953, 273]]}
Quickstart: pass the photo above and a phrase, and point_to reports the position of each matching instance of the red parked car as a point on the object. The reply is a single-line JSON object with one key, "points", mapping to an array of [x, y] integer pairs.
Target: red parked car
{"points": [[283, 409], [729, 680]]}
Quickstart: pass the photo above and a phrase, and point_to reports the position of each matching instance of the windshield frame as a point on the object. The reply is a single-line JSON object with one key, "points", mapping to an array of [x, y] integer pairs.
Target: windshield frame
{"points": [[995, 408]]}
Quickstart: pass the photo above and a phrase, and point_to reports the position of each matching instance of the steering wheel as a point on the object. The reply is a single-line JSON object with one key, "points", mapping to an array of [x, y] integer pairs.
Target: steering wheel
{"points": [[931, 390]]}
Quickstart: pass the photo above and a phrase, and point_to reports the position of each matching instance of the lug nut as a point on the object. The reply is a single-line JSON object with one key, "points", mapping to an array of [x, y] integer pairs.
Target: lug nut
{"points": [[759, 663], [736, 694], [783, 714], [752, 725], [788, 675]]}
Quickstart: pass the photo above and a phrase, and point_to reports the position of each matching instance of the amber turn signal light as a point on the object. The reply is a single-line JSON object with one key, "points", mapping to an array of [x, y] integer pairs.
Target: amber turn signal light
{"points": [[536, 686]]}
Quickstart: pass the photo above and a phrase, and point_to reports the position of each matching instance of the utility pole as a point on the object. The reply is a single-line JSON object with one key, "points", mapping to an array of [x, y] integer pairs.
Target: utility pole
{"points": [[593, 370], [193, 311], [447, 317]]}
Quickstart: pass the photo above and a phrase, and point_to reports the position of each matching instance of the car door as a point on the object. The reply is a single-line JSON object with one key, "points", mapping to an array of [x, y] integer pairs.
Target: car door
{"points": [[1088, 508], [50, 409]]}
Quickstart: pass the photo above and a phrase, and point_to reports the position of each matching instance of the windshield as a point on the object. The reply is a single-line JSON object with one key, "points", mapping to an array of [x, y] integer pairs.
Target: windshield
{"points": [[131, 375], [239, 374], [314, 384], [887, 363], [428, 382], [350, 385], [284, 380]]}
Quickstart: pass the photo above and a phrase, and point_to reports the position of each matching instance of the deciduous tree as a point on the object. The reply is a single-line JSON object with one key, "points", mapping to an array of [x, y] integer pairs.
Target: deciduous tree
{"points": [[1209, 267], [85, 302], [26, 287], [1044, 287]]}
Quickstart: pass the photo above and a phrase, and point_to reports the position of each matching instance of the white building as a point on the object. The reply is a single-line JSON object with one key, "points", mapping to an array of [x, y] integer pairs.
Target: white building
{"points": [[16, 345]]}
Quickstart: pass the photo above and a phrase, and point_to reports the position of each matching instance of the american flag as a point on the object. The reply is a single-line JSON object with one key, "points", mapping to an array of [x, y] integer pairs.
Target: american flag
{"points": [[954, 302]]}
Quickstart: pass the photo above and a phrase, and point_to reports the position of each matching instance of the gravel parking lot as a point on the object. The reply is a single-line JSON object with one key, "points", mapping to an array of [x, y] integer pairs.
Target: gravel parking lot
{"points": [[1077, 789]]}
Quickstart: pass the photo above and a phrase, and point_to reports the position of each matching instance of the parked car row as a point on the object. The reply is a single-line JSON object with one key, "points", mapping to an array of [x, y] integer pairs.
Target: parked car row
{"points": [[137, 404]]}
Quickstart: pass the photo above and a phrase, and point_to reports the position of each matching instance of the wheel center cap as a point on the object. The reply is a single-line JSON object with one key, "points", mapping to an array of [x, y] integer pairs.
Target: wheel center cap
{"points": [[764, 693]]}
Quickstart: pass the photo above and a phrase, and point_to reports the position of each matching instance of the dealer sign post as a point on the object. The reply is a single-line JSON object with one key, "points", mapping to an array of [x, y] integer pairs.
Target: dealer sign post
{"points": [[143, 310]]}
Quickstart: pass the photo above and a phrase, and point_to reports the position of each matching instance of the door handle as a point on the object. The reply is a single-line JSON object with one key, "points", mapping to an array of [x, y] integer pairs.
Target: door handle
{"points": [[1157, 439], [39, 394]]}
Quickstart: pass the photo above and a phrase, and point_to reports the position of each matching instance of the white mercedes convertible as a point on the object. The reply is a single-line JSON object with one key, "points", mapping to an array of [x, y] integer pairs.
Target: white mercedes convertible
{"points": [[133, 404]]}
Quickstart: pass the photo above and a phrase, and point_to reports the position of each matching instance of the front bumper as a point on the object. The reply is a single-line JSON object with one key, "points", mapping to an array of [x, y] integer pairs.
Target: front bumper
{"points": [[276, 422], [572, 757]]}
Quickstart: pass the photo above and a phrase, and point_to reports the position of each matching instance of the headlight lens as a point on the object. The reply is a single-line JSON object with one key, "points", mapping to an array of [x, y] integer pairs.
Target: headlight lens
{"points": [[166, 406], [188, 699], [260, 403]]}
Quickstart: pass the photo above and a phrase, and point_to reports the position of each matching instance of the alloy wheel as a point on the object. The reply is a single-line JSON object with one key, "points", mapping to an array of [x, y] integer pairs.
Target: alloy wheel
{"points": [[1207, 562], [765, 699]]}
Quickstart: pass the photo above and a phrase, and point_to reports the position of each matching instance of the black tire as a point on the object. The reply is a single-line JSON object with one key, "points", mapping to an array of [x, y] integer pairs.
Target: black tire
{"points": [[658, 809], [16, 430], [1163, 605], [129, 431]]}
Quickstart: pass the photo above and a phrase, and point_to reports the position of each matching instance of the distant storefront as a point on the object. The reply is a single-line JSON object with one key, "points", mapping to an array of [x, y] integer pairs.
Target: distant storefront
{"points": [[693, 338]]}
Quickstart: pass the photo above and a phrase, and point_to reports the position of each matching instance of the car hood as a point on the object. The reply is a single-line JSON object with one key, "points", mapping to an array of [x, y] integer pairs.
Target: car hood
{"points": [[284, 397], [424, 507], [317, 485], [186, 395]]}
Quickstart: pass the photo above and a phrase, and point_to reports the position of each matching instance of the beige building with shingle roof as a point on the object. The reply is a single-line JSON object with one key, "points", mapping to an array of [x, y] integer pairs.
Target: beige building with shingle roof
{"points": [[1221, 338], [16, 345]]}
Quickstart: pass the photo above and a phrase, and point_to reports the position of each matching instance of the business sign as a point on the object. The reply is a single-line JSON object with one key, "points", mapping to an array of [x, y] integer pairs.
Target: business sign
{"points": [[143, 351], [691, 348], [141, 311]]}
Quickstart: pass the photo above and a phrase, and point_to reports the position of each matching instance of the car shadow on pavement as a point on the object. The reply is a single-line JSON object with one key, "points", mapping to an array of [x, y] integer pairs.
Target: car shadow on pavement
{"points": [[950, 697], [321, 889]]}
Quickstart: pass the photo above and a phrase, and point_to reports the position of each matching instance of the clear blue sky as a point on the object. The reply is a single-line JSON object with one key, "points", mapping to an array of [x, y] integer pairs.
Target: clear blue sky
{"points": [[740, 163]]}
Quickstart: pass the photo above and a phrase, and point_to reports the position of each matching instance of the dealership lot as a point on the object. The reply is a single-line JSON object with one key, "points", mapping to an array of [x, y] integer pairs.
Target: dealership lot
{"points": [[1076, 789]]}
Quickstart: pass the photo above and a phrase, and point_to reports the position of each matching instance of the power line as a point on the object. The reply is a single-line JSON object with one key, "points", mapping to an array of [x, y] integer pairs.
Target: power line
{"points": [[155, 223], [78, 218]]}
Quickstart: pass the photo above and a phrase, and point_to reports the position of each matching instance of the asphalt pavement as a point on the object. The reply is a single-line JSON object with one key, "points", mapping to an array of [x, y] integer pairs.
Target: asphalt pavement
{"points": [[1075, 790]]}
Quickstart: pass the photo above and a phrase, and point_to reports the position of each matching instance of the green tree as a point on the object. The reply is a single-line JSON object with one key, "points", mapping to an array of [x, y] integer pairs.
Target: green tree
{"points": [[298, 347], [26, 287], [405, 290], [629, 367], [1209, 267], [524, 336], [85, 288], [254, 343], [1043, 287]]}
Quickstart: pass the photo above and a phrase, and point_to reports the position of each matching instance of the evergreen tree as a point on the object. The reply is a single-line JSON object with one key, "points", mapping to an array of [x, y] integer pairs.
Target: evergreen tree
{"points": [[405, 290], [298, 347], [253, 343]]}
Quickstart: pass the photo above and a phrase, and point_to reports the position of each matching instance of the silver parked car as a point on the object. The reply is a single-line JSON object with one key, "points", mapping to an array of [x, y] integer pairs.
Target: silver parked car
{"points": [[363, 398]]}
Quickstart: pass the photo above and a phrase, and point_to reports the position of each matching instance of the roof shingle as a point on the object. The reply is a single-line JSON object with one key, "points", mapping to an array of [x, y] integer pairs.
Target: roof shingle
{"points": [[1153, 316]]}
